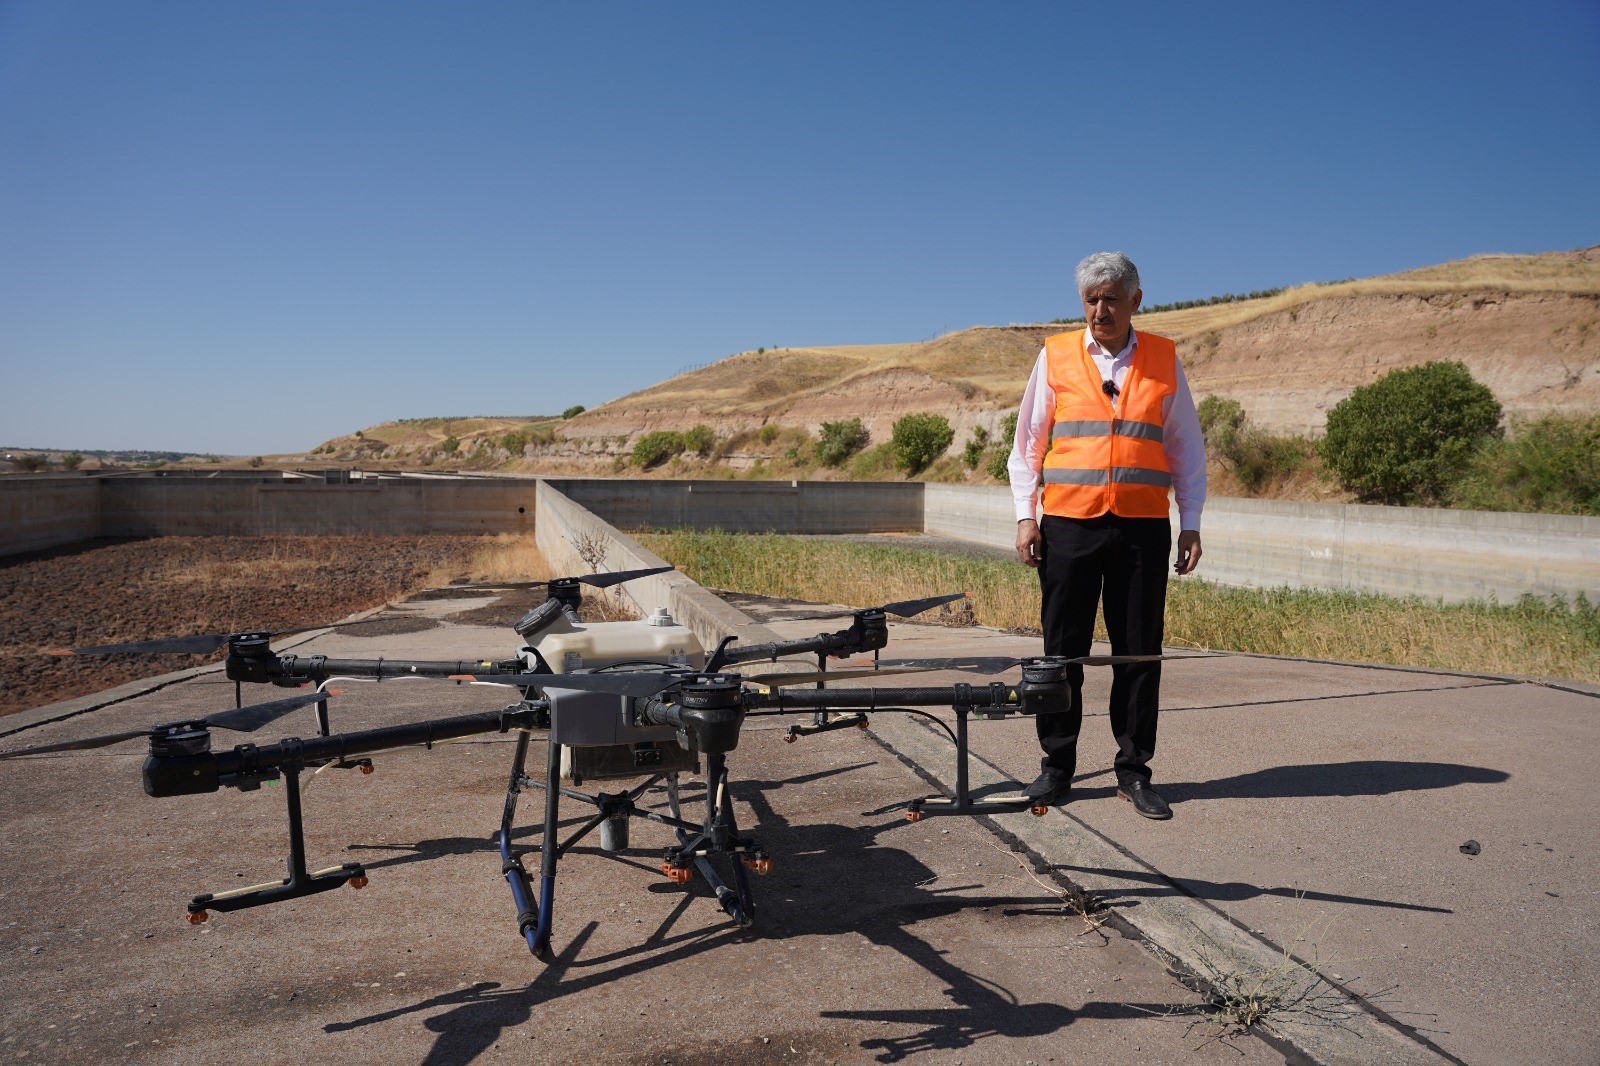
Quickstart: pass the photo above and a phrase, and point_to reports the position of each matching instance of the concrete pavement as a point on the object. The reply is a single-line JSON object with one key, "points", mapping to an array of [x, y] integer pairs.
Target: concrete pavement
{"points": [[1319, 811]]}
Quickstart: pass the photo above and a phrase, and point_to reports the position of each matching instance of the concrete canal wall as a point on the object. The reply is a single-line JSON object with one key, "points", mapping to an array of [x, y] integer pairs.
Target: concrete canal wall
{"points": [[1449, 555]]}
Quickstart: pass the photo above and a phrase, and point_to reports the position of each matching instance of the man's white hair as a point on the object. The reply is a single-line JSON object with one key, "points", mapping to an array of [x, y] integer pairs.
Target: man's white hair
{"points": [[1108, 266]]}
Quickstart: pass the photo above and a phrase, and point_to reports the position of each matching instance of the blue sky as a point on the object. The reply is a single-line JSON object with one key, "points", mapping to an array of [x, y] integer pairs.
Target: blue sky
{"points": [[246, 228]]}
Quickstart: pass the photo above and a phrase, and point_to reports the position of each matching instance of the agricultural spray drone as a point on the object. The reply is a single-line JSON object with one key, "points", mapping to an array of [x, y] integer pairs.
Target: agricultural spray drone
{"points": [[639, 701]]}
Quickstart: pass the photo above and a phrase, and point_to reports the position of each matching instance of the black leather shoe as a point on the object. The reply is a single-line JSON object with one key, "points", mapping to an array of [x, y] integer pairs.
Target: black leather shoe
{"points": [[1146, 800], [1050, 787]]}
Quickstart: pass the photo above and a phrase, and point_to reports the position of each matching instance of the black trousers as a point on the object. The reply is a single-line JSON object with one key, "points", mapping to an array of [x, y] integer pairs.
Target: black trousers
{"points": [[1122, 563]]}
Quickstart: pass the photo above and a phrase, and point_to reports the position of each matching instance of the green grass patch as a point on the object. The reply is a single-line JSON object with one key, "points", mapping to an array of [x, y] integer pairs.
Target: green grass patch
{"points": [[1543, 638]]}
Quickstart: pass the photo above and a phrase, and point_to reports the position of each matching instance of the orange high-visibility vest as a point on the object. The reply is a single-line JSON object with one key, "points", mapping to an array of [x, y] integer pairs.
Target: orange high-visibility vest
{"points": [[1103, 460]]}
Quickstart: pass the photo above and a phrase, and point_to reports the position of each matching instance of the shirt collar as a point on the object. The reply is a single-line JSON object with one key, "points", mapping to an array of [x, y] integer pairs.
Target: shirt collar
{"points": [[1093, 347]]}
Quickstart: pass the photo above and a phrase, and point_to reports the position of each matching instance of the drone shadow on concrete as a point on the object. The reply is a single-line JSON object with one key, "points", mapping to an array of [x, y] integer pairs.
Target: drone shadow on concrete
{"points": [[834, 860]]}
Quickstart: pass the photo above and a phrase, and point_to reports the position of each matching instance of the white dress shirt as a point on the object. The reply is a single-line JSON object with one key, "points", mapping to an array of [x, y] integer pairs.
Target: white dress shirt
{"points": [[1181, 440]]}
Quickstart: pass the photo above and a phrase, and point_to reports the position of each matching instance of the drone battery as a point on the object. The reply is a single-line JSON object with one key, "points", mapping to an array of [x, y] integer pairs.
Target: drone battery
{"points": [[599, 739], [626, 760]]}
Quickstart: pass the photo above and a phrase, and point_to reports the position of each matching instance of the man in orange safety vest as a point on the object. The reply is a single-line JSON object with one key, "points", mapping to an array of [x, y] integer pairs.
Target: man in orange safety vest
{"points": [[1106, 428]]}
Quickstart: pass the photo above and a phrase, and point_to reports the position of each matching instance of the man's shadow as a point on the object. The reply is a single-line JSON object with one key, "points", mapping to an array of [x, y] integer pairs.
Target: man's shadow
{"points": [[1362, 777]]}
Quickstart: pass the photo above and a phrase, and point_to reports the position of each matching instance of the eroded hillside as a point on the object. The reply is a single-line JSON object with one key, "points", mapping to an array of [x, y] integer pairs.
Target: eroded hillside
{"points": [[1527, 326]]}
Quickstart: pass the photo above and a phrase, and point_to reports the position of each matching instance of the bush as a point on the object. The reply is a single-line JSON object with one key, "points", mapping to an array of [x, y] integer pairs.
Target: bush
{"points": [[30, 464], [653, 449], [700, 440], [1255, 456], [1409, 435], [514, 443], [574, 411], [997, 465], [1549, 465], [919, 439], [449, 446], [972, 453], [72, 460], [841, 440], [255, 462], [767, 433]]}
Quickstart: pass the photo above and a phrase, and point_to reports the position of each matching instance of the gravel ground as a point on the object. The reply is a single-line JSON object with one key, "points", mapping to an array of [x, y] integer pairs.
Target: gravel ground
{"points": [[106, 591]]}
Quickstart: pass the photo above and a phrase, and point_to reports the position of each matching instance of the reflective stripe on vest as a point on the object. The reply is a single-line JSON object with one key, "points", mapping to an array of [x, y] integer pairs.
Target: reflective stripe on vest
{"points": [[1122, 475], [1122, 427], [1104, 458]]}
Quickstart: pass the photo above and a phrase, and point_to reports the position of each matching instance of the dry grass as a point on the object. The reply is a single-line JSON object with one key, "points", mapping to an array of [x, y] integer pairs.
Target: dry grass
{"points": [[1482, 273], [1530, 637], [1237, 996], [503, 557]]}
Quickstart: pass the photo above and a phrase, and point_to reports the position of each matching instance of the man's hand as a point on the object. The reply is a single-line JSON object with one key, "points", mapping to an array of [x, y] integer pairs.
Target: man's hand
{"points": [[1028, 542], [1188, 551]]}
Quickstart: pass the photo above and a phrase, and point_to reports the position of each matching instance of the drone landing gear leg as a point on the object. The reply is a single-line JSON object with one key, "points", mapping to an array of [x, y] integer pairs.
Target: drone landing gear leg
{"points": [[719, 834], [300, 882], [532, 920], [826, 721], [963, 803]]}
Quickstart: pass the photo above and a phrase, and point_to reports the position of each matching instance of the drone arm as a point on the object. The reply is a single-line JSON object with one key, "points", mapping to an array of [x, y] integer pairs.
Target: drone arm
{"points": [[1042, 690], [205, 771], [320, 668], [844, 642]]}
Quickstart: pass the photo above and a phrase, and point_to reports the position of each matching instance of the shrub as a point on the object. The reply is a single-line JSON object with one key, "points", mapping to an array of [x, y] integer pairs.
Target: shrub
{"points": [[653, 449], [841, 440], [30, 464], [972, 453], [919, 439], [1549, 465], [1221, 419], [359, 434], [1255, 456], [514, 443], [1409, 435], [72, 460], [700, 440], [255, 461], [767, 433], [574, 411], [997, 464], [450, 445]]}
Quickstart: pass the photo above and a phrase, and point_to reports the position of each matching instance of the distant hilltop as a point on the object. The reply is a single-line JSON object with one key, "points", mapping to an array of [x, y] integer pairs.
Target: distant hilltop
{"points": [[1528, 326]]}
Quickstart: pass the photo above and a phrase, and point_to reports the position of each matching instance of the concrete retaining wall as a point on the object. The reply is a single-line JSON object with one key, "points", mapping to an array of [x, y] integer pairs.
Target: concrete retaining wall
{"points": [[752, 506], [563, 525], [1399, 551], [38, 512], [1453, 555]]}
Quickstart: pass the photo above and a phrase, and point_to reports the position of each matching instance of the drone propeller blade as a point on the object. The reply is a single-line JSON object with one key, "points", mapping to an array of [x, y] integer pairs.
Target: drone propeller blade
{"points": [[604, 581], [599, 581], [622, 683], [249, 719], [76, 745], [900, 608], [911, 608], [196, 645]]}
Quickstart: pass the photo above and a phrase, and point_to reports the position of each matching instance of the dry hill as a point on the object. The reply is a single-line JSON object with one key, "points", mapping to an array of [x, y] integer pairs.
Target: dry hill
{"points": [[1528, 326]]}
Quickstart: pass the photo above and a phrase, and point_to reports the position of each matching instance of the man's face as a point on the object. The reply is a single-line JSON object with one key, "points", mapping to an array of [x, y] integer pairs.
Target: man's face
{"points": [[1109, 312]]}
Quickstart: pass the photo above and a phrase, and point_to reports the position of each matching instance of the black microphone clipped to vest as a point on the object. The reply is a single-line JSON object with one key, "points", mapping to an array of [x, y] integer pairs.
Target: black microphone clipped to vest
{"points": [[1109, 388]]}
